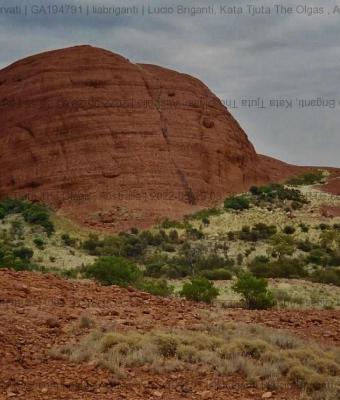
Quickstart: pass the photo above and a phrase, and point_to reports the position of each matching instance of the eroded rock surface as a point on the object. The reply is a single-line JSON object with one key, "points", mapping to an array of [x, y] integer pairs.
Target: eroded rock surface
{"points": [[117, 144]]}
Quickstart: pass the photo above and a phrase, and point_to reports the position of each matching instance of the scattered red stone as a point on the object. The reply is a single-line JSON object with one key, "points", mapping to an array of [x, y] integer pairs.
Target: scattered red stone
{"points": [[40, 311]]}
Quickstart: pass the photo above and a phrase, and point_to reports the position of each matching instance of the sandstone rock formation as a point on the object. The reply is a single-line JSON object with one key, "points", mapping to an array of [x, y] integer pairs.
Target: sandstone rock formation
{"points": [[117, 144]]}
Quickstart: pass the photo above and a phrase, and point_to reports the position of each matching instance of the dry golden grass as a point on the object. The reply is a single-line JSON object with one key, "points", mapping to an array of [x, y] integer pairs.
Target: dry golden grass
{"points": [[267, 358]]}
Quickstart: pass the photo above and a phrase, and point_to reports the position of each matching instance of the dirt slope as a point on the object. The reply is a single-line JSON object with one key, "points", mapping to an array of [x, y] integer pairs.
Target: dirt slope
{"points": [[116, 144], [39, 311]]}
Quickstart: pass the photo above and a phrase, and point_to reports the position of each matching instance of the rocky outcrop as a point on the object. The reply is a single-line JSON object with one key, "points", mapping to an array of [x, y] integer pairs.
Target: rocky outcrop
{"points": [[117, 144]]}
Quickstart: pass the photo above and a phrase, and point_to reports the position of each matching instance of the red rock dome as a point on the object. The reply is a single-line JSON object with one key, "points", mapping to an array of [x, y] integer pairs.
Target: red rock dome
{"points": [[117, 144]]}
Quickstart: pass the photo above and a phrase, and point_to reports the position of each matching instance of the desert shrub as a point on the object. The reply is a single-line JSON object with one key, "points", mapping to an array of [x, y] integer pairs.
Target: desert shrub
{"points": [[260, 231], [296, 205], [32, 213], [40, 243], [281, 268], [231, 236], [213, 261], [323, 226], [24, 253], [206, 221], [91, 245], [154, 265], [194, 234], [2, 213], [310, 178], [334, 260], [113, 271], [173, 236], [169, 248], [157, 287], [206, 214], [200, 289], [254, 291], [124, 245], [329, 276], [216, 274], [18, 259], [276, 192], [67, 240], [289, 230], [283, 245], [304, 228], [319, 257], [305, 246], [239, 259], [236, 203], [168, 223], [255, 191]]}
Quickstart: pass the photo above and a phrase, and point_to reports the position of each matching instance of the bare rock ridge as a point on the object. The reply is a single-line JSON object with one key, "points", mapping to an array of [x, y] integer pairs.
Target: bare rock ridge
{"points": [[116, 144]]}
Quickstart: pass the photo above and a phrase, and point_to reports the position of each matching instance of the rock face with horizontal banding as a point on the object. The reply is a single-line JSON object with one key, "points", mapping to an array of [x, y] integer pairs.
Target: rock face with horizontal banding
{"points": [[115, 144]]}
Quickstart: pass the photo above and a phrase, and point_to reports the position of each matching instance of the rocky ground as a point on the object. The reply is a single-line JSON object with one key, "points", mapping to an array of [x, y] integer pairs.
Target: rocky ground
{"points": [[38, 312]]}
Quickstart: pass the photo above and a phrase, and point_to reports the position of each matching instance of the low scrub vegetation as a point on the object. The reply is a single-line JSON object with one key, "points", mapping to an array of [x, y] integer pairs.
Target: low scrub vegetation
{"points": [[254, 291], [157, 287], [200, 289], [277, 195], [310, 178], [266, 358], [238, 203], [32, 213], [113, 271]]}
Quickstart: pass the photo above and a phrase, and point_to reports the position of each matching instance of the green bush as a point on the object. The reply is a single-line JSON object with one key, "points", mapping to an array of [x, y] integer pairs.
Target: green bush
{"points": [[67, 240], [40, 244], [200, 289], [157, 287], [324, 227], [305, 246], [319, 257], [24, 253], [206, 214], [236, 203], [173, 236], [310, 178], [92, 244], [219, 274], [33, 213], [254, 291], [124, 245], [260, 231], [169, 248], [168, 223], [304, 228], [282, 268], [329, 276], [194, 234], [289, 230], [113, 271]]}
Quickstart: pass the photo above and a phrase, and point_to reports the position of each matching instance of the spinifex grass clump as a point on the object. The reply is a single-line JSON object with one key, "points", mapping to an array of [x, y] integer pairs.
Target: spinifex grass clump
{"points": [[266, 358]]}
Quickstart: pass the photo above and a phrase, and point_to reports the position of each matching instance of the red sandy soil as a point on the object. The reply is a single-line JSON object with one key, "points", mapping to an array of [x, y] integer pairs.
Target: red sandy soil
{"points": [[332, 186], [330, 211], [40, 311], [333, 183], [114, 144]]}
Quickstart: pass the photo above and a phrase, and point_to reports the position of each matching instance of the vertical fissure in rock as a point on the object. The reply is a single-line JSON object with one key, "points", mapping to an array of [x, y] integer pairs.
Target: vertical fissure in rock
{"points": [[165, 132]]}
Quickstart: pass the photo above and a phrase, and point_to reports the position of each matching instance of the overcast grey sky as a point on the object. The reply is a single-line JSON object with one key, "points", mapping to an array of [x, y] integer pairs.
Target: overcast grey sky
{"points": [[270, 56]]}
